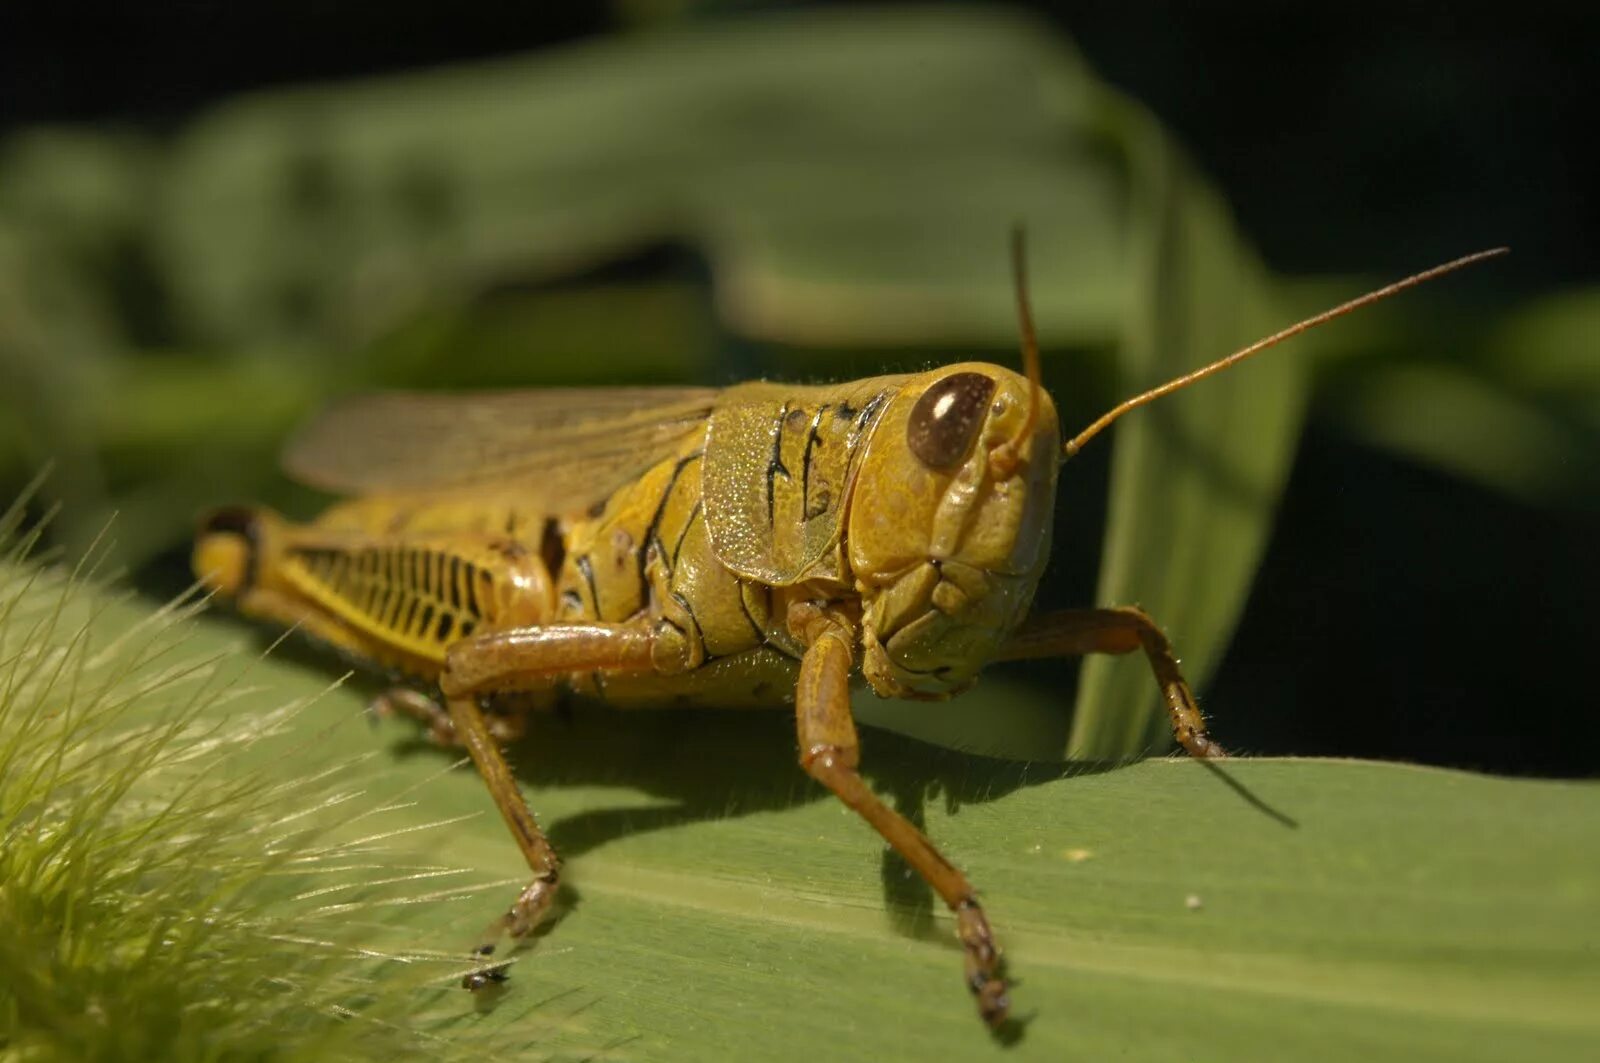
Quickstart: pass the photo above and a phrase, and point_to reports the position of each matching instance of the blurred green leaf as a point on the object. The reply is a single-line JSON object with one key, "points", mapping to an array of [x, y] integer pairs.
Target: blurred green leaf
{"points": [[1196, 476], [1509, 401], [1479, 430], [851, 178]]}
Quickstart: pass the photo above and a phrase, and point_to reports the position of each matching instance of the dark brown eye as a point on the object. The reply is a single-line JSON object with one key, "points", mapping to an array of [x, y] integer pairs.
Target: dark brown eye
{"points": [[946, 418]]}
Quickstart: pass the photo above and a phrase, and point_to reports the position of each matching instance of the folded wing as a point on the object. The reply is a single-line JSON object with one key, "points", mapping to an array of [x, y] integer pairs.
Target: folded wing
{"points": [[555, 449]]}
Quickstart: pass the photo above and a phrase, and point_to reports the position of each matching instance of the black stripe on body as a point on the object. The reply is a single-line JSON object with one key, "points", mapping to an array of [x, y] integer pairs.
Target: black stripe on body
{"points": [[653, 530], [699, 633], [760, 632], [775, 465], [586, 569], [869, 411], [695, 514], [417, 594], [812, 440]]}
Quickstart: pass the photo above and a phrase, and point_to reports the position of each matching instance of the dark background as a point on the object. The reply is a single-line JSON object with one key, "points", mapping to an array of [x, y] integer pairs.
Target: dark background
{"points": [[1403, 612]]}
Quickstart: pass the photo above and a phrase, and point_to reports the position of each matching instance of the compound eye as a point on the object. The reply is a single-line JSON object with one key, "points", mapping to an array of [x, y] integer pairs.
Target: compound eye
{"points": [[945, 419]]}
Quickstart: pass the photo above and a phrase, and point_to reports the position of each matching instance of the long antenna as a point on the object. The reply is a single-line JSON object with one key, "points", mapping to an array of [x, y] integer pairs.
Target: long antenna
{"points": [[1003, 459], [1077, 442]]}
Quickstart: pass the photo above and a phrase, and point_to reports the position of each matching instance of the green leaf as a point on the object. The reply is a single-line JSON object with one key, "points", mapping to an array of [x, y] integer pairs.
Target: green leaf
{"points": [[720, 906], [1195, 477]]}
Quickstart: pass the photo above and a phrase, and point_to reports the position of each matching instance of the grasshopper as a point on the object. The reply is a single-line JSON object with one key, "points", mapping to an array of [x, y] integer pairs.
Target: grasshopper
{"points": [[755, 545]]}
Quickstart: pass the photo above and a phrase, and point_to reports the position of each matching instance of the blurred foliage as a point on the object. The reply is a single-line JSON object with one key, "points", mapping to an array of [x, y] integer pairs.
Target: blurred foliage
{"points": [[820, 194]]}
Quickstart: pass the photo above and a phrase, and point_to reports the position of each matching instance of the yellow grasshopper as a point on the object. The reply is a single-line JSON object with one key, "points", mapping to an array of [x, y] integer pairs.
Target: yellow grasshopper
{"points": [[753, 545]]}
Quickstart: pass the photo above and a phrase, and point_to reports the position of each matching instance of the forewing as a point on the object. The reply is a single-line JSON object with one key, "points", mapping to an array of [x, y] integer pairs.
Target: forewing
{"points": [[557, 449]]}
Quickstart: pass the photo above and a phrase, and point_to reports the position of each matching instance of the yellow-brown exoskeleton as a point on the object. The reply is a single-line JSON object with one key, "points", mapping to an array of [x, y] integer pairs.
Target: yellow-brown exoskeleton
{"points": [[754, 545]]}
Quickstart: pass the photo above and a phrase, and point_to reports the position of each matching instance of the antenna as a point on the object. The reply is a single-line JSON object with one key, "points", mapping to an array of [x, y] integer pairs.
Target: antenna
{"points": [[1077, 442], [1004, 458]]}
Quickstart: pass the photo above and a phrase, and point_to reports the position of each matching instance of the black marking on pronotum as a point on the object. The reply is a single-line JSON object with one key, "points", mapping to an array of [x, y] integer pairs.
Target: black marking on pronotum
{"points": [[812, 440], [868, 412], [653, 530], [844, 411], [775, 463]]}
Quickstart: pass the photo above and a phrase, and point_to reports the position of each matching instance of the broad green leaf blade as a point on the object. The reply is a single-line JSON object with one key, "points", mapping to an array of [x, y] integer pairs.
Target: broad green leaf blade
{"points": [[718, 905], [850, 176], [1195, 477]]}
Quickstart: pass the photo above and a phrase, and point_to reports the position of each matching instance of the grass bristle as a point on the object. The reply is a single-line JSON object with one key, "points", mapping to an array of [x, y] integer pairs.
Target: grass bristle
{"points": [[159, 899]]}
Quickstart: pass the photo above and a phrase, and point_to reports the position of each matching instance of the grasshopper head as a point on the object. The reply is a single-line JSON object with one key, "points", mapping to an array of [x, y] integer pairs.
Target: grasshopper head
{"points": [[949, 525]]}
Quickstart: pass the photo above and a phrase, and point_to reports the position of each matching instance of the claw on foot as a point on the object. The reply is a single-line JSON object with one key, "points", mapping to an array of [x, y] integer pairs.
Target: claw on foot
{"points": [[985, 975], [520, 920], [1203, 747], [480, 980], [1189, 727]]}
